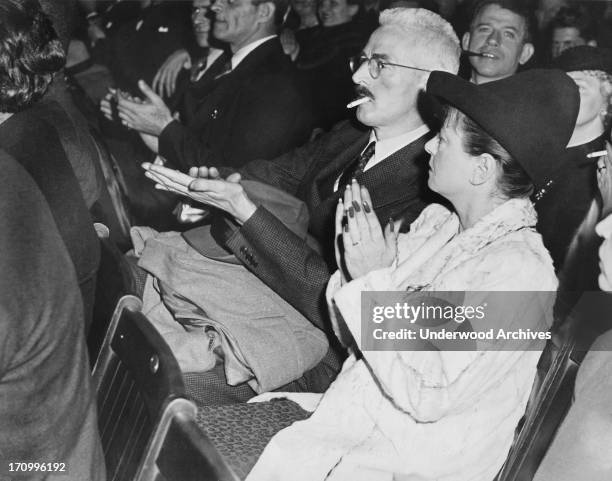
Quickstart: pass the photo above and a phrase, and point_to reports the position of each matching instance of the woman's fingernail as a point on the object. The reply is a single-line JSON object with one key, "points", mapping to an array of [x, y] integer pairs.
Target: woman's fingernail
{"points": [[351, 212], [391, 224], [366, 207], [356, 206]]}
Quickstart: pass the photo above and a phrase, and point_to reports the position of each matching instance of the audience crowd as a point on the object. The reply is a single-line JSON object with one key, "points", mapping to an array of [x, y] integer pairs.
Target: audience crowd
{"points": [[280, 161]]}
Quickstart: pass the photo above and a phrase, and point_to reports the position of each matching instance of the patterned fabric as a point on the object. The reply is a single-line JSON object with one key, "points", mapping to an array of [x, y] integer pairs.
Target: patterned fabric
{"points": [[241, 431]]}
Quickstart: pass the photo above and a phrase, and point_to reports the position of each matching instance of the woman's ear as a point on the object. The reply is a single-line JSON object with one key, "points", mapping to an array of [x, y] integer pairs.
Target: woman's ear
{"points": [[485, 169]]}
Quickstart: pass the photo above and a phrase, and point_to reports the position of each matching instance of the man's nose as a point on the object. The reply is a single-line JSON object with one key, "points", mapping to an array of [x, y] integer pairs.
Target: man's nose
{"points": [[361, 74], [494, 37]]}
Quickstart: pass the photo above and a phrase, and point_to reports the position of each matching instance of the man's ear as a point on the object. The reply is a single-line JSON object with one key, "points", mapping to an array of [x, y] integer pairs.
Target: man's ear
{"points": [[353, 9], [526, 53], [265, 12], [465, 41], [485, 169], [592, 43]]}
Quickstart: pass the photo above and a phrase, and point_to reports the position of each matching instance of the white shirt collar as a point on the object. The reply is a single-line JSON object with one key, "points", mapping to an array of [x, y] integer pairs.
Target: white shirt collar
{"points": [[384, 148], [240, 55]]}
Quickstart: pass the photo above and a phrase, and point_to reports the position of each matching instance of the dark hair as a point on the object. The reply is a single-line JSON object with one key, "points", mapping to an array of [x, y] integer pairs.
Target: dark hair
{"points": [[513, 181], [30, 53], [281, 7], [523, 8], [575, 17]]}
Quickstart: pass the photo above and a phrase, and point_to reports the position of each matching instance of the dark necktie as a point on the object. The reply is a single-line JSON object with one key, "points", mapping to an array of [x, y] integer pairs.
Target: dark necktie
{"points": [[219, 67], [356, 167], [202, 87]]}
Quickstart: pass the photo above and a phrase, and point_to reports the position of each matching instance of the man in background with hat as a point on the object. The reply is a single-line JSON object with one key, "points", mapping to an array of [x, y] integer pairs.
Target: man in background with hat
{"points": [[385, 154]]}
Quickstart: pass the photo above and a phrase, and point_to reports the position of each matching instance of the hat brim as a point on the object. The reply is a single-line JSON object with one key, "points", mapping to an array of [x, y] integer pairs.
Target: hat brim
{"points": [[202, 240], [486, 105]]}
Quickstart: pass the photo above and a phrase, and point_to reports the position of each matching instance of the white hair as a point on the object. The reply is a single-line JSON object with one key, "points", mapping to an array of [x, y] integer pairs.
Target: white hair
{"points": [[431, 35]]}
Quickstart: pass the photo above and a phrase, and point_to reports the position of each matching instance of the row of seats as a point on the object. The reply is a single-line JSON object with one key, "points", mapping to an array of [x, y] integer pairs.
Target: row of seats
{"points": [[148, 425]]}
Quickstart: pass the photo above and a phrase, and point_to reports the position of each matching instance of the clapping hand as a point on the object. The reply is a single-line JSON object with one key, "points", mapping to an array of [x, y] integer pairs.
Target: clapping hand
{"points": [[205, 187], [604, 180], [164, 82], [149, 116], [361, 244]]}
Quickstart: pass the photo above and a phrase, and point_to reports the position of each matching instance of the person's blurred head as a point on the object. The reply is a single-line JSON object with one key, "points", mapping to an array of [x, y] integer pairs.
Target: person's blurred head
{"points": [[241, 22], [410, 37], [571, 27], [591, 69], [30, 53], [503, 29], [304, 8], [427, 4], [337, 12], [467, 161], [200, 19], [546, 11]]}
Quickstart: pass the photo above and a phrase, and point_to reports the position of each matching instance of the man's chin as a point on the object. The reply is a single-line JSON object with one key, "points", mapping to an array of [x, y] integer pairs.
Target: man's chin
{"points": [[365, 117]]}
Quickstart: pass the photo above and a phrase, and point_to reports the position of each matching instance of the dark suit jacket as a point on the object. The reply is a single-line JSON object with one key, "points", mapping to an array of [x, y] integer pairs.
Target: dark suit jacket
{"points": [[282, 259], [47, 409], [35, 144], [259, 110]]}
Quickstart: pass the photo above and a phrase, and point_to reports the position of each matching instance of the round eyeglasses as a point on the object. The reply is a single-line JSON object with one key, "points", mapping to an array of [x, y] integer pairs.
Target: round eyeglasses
{"points": [[375, 65]]}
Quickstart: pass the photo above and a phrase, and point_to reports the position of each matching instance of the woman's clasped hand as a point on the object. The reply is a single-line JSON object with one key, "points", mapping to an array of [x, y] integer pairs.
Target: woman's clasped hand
{"points": [[361, 244]]}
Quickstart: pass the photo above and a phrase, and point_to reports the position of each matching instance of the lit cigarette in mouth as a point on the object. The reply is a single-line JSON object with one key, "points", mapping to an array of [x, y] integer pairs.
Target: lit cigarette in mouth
{"points": [[599, 153], [357, 102]]}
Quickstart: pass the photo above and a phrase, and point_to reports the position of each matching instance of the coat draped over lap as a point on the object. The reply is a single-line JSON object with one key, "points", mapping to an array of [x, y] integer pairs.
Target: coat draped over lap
{"points": [[443, 415]]}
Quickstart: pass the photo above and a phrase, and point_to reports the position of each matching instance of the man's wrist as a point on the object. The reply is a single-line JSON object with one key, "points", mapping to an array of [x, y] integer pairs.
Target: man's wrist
{"points": [[244, 209], [163, 124]]}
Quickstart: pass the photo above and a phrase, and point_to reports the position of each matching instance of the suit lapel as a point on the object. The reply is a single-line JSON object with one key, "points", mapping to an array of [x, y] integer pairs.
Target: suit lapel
{"points": [[207, 94], [333, 169], [387, 179]]}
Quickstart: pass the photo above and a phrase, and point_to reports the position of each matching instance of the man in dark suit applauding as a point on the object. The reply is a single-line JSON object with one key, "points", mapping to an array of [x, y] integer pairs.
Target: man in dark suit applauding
{"points": [[385, 154], [248, 103]]}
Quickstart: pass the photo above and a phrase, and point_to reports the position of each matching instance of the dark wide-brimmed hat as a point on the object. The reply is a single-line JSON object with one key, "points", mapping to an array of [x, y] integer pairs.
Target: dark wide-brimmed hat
{"points": [[585, 57], [531, 114], [211, 240]]}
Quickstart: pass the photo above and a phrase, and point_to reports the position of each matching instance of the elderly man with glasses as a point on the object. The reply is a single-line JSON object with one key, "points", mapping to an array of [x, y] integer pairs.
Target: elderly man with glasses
{"points": [[384, 152]]}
